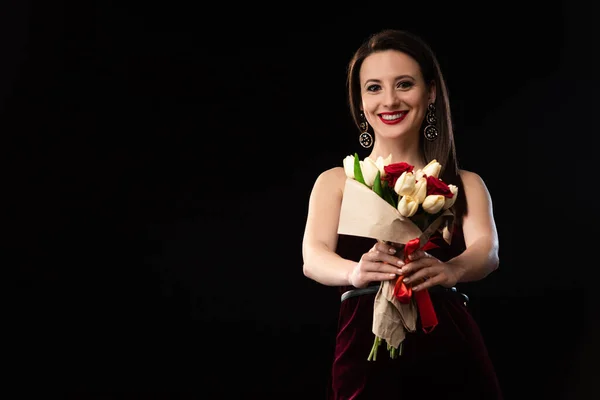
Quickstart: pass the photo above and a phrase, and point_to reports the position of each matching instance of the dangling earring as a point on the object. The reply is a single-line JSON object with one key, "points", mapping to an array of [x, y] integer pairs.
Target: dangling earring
{"points": [[431, 132], [365, 139]]}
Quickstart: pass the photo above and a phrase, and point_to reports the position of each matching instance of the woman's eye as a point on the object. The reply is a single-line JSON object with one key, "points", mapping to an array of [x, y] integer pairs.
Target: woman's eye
{"points": [[372, 88], [405, 85]]}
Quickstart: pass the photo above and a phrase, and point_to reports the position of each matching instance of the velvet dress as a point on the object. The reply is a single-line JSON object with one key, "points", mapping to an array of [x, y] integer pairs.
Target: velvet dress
{"points": [[450, 362]]}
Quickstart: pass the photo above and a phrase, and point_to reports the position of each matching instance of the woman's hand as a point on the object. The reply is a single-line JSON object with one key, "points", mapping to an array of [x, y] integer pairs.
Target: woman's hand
{"points": [[427, 271], [379, 264]]}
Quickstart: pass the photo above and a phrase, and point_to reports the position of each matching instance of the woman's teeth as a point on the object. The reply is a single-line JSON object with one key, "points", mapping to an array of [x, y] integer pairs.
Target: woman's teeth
{"points": [[391, 117]]}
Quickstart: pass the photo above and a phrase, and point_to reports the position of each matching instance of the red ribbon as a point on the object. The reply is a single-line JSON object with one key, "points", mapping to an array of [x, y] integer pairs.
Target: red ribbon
{"points": [[403, 293]]}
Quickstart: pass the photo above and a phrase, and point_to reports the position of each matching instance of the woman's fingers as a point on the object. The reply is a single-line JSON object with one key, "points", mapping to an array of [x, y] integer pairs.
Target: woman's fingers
{"points": [[380, 264], [427, 282], [422, 260], [421, 274], [376, 255], [381, 276], [418, 255], [385, 248], [374, 264], [362, 276]]}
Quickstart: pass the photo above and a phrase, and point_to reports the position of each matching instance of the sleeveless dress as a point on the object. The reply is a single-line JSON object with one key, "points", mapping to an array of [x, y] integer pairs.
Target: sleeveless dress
{"points": [[450, 362]]}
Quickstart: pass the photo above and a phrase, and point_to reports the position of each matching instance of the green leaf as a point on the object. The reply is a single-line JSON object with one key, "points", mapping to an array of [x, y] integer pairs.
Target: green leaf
{"points": [[357, 171], [377, 185], [389, 195]]}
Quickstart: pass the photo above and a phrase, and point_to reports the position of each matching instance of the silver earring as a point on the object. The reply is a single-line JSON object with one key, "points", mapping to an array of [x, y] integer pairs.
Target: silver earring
{"points": [[365, 139], [431, 131]]}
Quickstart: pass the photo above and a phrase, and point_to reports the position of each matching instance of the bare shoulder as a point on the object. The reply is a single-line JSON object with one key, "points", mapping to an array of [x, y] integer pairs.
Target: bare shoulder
{"points": [[478, 220], [471, 179], [332, 180], [335, 173], [474, 186], [469, 176]]}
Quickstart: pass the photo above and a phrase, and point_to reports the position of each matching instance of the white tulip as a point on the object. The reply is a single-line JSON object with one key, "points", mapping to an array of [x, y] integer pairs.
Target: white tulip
{"points": [[434, 203], [449, 202], [405, 184], [432, 169], [369, 170], [420, 191], [382, 162], [419, 174], [407, 206], [349, 166]]}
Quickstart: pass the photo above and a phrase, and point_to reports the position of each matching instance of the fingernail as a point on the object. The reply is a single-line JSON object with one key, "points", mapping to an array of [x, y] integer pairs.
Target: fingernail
{"points": [[392, 275], [405, 280], [392, 250], [400, 263]]}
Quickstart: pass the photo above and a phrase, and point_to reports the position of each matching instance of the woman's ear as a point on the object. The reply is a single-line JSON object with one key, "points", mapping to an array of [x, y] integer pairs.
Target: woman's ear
{"points": [[432, 92]]}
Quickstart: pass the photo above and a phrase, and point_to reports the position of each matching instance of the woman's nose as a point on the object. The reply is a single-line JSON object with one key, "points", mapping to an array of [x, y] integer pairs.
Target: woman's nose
{"points": [[391, 99]]}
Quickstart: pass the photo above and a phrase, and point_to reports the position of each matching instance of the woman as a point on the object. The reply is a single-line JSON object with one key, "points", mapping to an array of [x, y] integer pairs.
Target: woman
{"points": [[397, 91]]}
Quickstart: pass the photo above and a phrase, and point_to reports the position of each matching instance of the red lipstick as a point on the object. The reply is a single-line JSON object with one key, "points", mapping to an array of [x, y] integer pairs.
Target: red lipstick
{"points": [[395, 120]]}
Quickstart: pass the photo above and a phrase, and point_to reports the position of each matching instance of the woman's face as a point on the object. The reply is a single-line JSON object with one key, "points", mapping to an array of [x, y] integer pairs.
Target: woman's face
{"points": [[394, 95]]}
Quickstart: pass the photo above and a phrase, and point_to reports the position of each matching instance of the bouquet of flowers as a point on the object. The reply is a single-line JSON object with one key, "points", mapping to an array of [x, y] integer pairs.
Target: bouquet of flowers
{"points": [[394, 203]]}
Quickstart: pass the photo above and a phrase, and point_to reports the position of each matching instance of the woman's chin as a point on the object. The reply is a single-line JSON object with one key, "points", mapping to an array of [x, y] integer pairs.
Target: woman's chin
{"points": [[398, 134]]}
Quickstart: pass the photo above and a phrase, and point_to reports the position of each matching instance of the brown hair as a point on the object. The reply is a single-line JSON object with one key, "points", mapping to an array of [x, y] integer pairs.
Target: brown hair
{"points": [[442, 149]]}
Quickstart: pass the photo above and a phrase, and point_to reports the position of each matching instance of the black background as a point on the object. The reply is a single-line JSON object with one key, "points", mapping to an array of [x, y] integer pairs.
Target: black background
{"points": [[160, 159]]}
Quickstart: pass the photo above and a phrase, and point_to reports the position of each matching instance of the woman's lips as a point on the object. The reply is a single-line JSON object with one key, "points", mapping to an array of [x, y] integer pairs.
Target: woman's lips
{"points": [[392, 118]]}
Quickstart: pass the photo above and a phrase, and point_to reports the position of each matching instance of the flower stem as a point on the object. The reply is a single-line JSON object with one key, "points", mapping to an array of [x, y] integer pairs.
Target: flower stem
{"points": [[396, 351], [393, 351], [373, 353]]}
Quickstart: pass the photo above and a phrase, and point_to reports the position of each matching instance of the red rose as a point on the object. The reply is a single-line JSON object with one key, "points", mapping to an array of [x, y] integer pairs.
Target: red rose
{"points": [[436, 186], [393, 172]]}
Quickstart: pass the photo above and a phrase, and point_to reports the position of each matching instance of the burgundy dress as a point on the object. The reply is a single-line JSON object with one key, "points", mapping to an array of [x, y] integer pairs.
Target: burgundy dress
{"points": [[449, 362]]}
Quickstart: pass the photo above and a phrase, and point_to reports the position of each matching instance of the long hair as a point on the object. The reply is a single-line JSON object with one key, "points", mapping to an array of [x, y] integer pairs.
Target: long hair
{"points": [[443, 149]]}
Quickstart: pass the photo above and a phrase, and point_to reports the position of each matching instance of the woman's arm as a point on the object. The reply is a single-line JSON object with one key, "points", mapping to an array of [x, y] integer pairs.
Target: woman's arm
{"points": [[481, 238], [479, 229], [321, 263]]}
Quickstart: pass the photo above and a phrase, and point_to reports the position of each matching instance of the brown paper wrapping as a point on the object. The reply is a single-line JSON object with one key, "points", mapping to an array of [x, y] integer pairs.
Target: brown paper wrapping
{"points": [[391, 319], [364, 213]]}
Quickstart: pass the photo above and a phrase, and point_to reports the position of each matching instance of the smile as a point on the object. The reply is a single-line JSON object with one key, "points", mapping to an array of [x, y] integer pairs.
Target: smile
{"points": [[392, 118]]}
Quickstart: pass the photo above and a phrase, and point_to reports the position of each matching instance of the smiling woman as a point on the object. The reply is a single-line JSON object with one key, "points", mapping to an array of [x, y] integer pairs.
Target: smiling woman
{"points": [[399, 102], [394, 97]]}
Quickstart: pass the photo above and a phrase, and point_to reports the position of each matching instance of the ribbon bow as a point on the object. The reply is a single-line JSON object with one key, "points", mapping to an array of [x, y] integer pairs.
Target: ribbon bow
{"points": [[404, 293]]}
